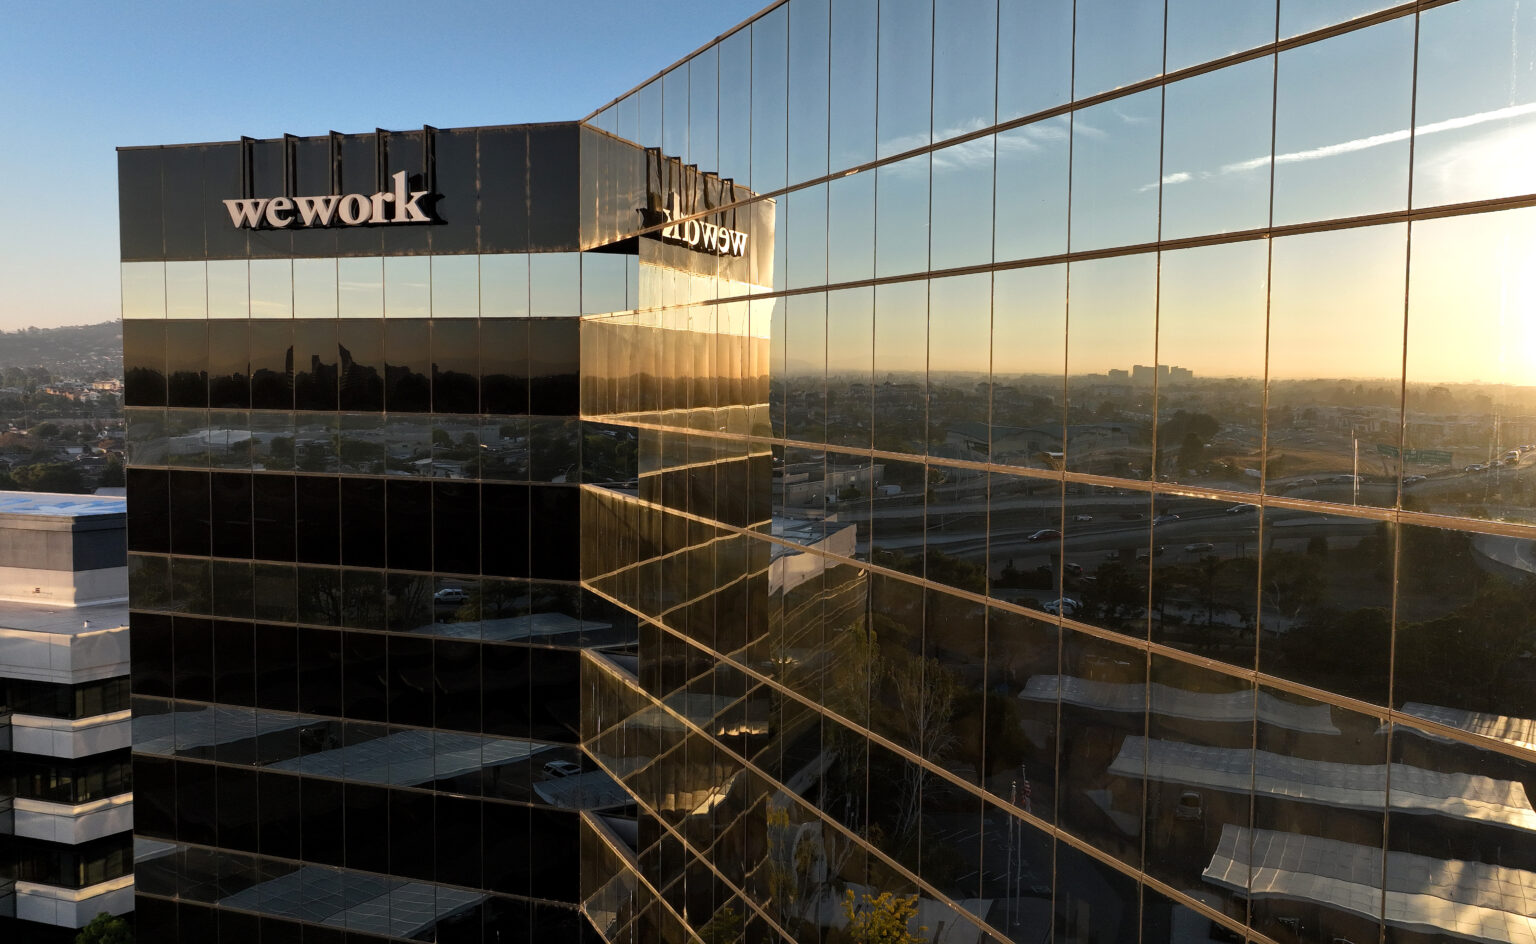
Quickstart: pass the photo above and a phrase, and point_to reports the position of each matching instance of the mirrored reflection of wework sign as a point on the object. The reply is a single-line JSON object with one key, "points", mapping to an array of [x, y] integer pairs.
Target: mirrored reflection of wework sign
{"points": [[397, 205], [699, 235]]}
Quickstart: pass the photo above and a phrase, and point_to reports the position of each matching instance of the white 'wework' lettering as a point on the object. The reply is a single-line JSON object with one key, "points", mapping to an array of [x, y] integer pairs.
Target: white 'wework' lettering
{"points": [[352, 209], [705, 237], [246, 212]]}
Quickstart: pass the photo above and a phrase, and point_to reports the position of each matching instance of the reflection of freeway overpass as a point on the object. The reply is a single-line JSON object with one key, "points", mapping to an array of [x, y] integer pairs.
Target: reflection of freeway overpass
{"points": [[1511, 552]]}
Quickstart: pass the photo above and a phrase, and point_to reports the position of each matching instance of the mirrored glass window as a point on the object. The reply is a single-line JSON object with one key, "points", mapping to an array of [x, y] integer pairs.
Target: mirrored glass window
{"points": [[850, 236], [229, 289], [1467, 447], [805, 243], [901, 356], [808, 89], [964, 66], [962, 205], [272, 289], [504, 285], [407, 287], [143, 289], [903, 116], [1216, 133], [850, 359], [186, 289], [1335, 407], [851, 98], [314, 288], [1034, 71], [455, 286], [1112, 325], [1475, 111], [959, 362], [360, 287], [1115, 156], [703, 109], [1033, 165], [1029, 336], [1342, 109], [1116, 42], [770, 103], [1210, 369], [901, 216], [554, 280]]}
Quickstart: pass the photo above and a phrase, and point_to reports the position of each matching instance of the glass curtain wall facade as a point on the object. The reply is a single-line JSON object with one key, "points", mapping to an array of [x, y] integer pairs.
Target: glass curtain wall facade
{"points": [[1117, 523], [1093, 498], [354, 524]]}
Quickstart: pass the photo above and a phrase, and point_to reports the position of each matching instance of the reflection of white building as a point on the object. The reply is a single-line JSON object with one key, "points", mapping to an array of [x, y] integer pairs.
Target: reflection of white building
{"points": [[1471, 901]]}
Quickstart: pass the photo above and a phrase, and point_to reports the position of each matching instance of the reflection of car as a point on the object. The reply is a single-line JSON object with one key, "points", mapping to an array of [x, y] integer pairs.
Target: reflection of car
{"points": [[1190, 806], [1410, 479], [450, 595], [1165, 516], [562, 768], [1479, 467], [1075, 570], [1065, 606], [1083, 518], [1200, 546], [1045, 534], [1133, 516], [1242, 509]]}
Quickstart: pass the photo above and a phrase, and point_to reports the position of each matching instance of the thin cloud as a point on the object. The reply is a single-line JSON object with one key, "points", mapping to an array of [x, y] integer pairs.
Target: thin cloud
{"points": [[1359, 144]]}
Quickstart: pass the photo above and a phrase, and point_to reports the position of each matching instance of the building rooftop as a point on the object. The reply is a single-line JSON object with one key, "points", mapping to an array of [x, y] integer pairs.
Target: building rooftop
{"points": [[60, 506], [64, 620]]}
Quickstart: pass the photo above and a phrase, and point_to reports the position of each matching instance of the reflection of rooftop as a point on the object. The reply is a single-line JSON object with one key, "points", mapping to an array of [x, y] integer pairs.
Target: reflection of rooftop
{"points": [[531, 626], [1234, 707], [1346, 786], [407, 758], [203, 727], [364, 903], [1520, 732], [593, 790], [60, 506], [1470, 900]]}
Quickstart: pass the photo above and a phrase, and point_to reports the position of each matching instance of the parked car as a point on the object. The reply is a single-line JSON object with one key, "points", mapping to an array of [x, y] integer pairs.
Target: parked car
{"points": [[1063, 606], [450, 595]]}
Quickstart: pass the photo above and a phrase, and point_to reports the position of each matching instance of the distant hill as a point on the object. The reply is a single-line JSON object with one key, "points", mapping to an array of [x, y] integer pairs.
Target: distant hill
{"points": [[79, 352]]}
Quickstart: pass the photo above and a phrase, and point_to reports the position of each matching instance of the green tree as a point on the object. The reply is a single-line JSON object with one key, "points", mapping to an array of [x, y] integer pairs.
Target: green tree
{"points": [[882, 919], [106, 929], [112, 474], [46, 430], [49, 477]]}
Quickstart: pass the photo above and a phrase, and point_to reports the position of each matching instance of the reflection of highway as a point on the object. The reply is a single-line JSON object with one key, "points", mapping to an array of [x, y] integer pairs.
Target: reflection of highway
{"points": [[960, 529]]}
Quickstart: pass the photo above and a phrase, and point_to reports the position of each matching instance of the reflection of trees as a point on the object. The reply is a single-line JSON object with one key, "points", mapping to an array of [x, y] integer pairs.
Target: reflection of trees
{"points": [[1471, 657]]}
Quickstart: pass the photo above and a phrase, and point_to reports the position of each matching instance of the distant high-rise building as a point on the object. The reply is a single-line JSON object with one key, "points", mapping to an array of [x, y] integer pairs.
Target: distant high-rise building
{"points": [[66, 801], [692, 523]]}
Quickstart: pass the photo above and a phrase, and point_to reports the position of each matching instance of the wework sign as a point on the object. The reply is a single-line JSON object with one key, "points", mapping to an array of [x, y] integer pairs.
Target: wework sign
{"points": [[398, 205], [696, 234]]}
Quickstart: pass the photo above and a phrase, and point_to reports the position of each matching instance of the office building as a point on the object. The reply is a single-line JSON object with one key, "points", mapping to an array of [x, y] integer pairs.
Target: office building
{"points": [[66, 801], [750, 451]]}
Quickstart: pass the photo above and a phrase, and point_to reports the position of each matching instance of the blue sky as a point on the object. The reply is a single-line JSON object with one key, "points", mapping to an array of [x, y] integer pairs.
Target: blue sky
{"points": [[79, 79]]}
